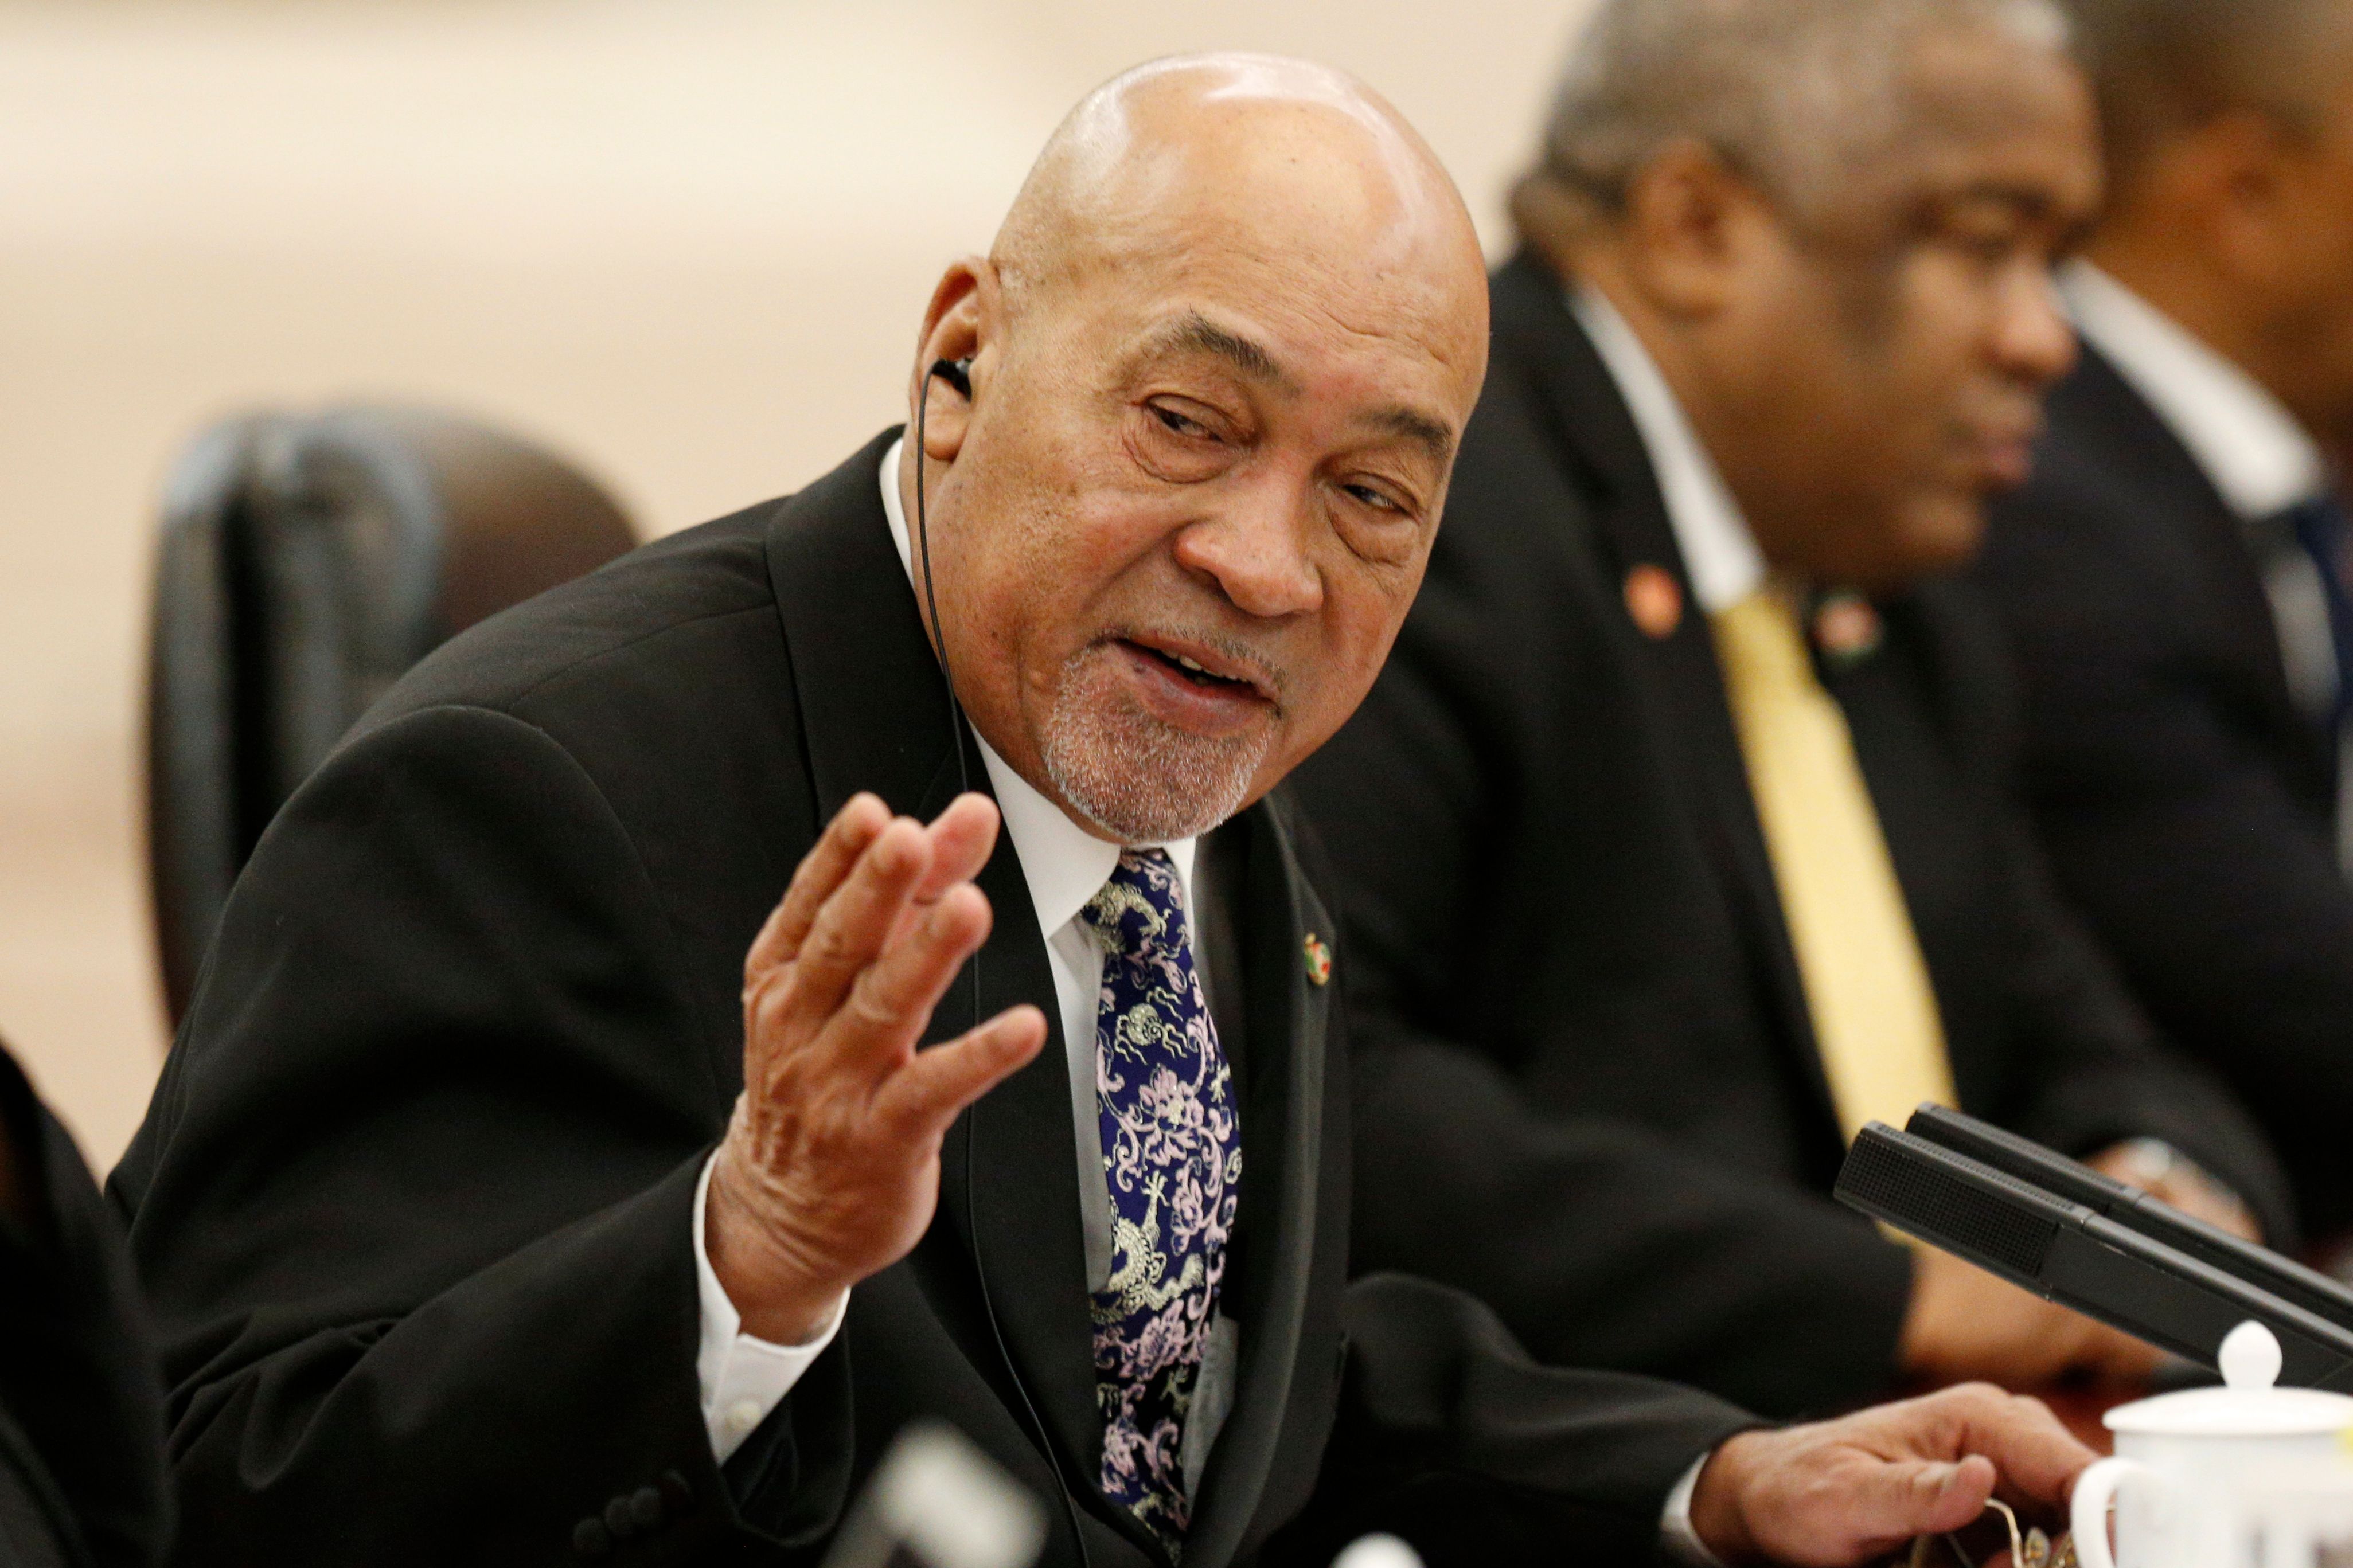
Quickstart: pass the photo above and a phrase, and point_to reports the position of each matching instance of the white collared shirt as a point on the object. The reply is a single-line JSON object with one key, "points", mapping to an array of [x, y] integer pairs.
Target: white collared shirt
{"points": [[1064, 866], [2250, 445], [1711, 533], [2260, 460]]}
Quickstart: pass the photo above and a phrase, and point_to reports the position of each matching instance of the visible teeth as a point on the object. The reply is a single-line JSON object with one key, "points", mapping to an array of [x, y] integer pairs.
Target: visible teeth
{"points": [[1189, 664]]}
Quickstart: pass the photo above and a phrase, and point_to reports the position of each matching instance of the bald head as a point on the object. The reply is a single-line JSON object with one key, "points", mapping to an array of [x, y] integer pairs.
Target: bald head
{"points": [[1222, 349], [1240, 152]]}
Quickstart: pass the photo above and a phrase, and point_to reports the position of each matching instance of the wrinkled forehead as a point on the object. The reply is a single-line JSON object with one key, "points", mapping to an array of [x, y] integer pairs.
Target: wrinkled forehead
{"points": [[1337, 258]]}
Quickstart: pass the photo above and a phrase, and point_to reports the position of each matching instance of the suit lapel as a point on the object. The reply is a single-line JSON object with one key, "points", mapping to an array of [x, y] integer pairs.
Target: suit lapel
{"points": [[1593, 426], [875, 717], [1282, 1132], [2176, 486]]}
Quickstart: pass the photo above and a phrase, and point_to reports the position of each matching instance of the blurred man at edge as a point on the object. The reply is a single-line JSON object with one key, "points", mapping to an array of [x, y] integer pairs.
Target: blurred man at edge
{"points": [[2174, 577]]}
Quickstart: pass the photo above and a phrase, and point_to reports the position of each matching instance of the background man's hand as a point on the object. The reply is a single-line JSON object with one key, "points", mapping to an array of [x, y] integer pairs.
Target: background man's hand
{"points": [[830, 1169], [2163, 1173], [1966, 1323], [1855, 1489]]}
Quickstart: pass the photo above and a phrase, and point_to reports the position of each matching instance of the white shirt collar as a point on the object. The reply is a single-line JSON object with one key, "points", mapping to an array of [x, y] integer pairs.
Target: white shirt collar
{"points": [[1718, 550], [1064, 865], [2249, 443]]}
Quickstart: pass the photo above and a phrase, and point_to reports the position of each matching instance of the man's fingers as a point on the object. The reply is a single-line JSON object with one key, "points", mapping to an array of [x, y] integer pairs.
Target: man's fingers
{"points": [[930, 1091], [846, 837], [963, 837], [2037, 1456], [893, 999], [851, 925], [1894, 1501], [1953, 1495]]}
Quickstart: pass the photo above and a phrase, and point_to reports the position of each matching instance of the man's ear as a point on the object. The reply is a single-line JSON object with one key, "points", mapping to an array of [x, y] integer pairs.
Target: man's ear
{"points": [[1684, 216], [959, 327]]}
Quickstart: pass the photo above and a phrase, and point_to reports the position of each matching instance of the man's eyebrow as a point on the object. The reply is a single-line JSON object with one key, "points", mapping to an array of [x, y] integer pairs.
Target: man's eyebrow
{"points": [[1432, 437], [2035, 204], [1196, 333]]}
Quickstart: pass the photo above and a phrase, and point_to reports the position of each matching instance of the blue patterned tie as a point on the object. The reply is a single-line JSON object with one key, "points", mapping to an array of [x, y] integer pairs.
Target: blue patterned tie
{"points": [[1172, 1159], [2319, 526]]}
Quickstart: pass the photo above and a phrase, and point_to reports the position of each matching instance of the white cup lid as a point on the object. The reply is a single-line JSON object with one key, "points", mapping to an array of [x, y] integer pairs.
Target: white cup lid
{"points": [[2247, 1406]]}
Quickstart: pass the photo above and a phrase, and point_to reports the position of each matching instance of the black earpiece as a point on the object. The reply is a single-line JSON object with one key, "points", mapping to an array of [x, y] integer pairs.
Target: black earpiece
{"points": [[956, 373]]}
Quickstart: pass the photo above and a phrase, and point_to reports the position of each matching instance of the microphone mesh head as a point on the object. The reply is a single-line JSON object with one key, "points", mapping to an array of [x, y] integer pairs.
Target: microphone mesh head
{"points": [[1914, 1194]]}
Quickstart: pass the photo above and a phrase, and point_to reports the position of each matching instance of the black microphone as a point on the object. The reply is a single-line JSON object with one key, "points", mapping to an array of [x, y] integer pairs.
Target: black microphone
{"points": [[2013, 1225], [2134, 1210]]}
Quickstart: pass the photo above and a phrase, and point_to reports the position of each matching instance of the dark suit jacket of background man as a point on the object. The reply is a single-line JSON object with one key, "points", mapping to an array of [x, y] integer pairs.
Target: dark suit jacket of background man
{"points": [[414, 1198], [2188, 806], [1589, 1089]]}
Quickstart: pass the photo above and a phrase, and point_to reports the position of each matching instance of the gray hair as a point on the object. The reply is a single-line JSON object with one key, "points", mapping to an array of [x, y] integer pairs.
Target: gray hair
{"points": [[2163, 67], [1793, 94]]}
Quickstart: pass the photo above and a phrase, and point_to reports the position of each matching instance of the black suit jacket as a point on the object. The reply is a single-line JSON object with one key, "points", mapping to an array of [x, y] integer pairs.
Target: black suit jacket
{"points": [[1589, 1087], [82, 1478], [414, 1198], [2188, 807]]}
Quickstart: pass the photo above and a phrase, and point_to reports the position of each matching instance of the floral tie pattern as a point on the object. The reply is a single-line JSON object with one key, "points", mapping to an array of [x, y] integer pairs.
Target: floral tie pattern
{"points": [[1172, 1159]]}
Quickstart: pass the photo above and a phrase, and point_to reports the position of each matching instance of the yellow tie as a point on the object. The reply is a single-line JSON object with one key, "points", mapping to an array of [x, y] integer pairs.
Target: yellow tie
{"points": [[1874, 1012]]}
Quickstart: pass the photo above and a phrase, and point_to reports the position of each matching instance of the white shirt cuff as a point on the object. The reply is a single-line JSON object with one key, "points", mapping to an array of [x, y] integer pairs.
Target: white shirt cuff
{"points": [[1683, 1542], [742, 1378]]}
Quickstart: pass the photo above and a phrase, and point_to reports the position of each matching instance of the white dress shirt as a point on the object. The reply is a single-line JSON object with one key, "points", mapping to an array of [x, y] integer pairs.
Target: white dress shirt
{"points": [[1718, 550], [743, 1378], [2260, 460], [2245, 439]]}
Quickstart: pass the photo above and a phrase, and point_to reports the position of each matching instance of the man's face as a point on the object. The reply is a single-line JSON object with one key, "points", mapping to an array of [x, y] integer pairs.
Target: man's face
{"points": [[2307, 273], [1191, 508], [1881, 369]]}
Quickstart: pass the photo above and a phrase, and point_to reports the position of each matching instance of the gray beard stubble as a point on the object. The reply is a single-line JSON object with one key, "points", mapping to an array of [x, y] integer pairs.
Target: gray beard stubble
{"points": [[1139, 780]]}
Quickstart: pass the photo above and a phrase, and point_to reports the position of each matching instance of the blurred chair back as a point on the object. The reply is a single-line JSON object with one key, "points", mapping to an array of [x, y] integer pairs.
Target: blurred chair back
{"points": [[305, 563]]}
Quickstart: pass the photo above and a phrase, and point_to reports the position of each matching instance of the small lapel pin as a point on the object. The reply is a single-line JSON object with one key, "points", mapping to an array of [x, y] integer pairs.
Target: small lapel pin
{"points": [[1655, 600], [1319, 959], [1847, 627]]}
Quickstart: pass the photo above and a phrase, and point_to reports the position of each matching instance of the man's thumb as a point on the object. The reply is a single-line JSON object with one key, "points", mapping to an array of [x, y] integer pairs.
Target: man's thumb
{"points": [[1905, 1498]]}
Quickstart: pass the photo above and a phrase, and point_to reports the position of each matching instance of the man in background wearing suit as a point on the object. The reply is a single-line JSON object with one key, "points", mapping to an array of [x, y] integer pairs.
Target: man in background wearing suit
{"points": [[1678, 839], [499, 1208], [2175, 578]]}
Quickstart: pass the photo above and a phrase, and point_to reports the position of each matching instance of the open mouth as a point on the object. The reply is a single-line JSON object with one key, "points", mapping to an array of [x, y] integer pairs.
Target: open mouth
{"points": [[1189, 670], [1193, 671]]}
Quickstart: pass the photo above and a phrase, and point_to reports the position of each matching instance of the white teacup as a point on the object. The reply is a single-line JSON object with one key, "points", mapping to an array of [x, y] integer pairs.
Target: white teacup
{"points": [[2195, 1473]]}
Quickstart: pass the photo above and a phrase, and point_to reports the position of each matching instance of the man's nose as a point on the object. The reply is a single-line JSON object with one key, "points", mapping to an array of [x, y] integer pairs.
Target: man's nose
{"points": [[1257, 555], [2033, 340]]}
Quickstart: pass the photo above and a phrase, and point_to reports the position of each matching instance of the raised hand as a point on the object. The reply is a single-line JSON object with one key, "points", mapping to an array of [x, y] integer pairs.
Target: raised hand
{"points": [[1855, 1489], [830, 1168]]}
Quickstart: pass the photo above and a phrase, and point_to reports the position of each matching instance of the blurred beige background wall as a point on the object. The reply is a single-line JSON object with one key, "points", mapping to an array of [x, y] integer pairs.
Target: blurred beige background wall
{"points": [[687, 241]]}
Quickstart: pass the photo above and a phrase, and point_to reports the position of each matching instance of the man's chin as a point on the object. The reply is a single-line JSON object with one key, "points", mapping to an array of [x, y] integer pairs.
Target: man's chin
{"points": [[1156, 787]]}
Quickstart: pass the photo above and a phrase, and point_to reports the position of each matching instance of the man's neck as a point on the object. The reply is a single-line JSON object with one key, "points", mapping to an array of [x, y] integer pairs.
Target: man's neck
{"points": [[1683, 369], [2176, 280]]}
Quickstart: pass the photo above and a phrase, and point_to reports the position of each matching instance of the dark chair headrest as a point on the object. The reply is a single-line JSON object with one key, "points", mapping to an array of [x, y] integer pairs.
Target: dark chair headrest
{"points": [[305, 563]]}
